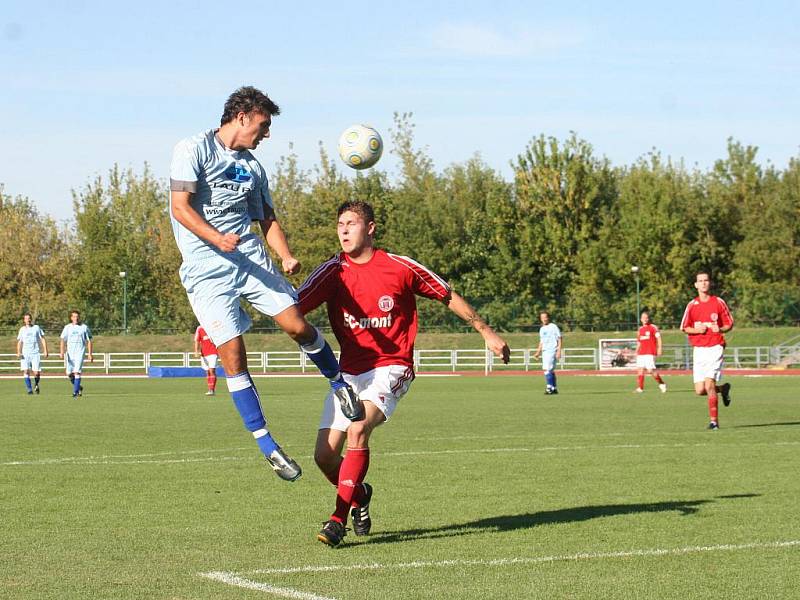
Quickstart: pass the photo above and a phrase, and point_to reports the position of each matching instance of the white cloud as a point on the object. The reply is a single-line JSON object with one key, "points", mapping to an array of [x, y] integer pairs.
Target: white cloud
{"points": [[469, 39]]}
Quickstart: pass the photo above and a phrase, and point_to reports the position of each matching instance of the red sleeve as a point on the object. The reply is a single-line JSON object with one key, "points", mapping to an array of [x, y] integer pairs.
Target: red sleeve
{"points": [[197, 336], [725, 316], [424, 282], [319, 285], [686, 322]]}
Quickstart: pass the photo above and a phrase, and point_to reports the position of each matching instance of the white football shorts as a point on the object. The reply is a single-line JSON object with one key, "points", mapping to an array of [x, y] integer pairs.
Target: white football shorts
{"points": [[73, 363], [707, 363], [209, 362], [383, 386], [215, 282], [646, 361], [31, 362], [548, 360]]}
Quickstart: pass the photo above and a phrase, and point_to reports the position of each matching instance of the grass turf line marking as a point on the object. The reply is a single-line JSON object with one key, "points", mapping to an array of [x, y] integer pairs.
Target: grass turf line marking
{"points": [[235, 580], [502, 562], [77, 461]]}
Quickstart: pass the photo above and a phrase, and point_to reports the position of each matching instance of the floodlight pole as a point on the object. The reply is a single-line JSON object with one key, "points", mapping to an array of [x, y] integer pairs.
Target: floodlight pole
{"points": [[635, 271], [124, 276]]}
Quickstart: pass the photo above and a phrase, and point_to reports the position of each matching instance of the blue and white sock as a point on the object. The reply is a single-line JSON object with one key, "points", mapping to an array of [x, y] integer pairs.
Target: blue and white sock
{"points": [[76, 384], [550, 379], [28, 383], [321, 354], [245, 397]]}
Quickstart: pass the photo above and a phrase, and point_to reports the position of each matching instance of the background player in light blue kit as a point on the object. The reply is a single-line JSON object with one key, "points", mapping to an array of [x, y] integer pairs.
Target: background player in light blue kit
{"points": [[30, 358], [550, 350], [217, 189], [76, 339]]}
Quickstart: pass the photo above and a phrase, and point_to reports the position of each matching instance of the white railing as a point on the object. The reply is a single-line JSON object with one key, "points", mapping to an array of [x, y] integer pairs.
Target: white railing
{"points": [[522, 359]]}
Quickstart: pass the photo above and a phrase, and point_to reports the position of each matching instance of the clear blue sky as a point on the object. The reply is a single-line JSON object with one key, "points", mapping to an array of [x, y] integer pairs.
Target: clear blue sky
{"points": [[86, 84]]}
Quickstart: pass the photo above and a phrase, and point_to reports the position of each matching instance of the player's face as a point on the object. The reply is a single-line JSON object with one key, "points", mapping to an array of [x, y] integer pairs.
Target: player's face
{"points": [[354, 234], [544, 318], [703, 283], [645, 318], [74, 318], [254, 127], [27, 320]]}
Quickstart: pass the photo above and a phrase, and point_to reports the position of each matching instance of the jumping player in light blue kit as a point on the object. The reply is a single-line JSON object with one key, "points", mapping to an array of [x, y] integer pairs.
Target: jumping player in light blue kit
{"points": [[217, 189], [76, 339], [550, 350], [28, 340]]}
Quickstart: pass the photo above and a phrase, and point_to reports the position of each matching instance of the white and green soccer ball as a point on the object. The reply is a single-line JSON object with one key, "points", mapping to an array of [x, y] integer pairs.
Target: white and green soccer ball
{"points": [[360, 146]]}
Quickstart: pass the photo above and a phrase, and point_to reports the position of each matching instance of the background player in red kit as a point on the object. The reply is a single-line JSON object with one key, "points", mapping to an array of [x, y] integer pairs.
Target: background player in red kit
{"points": [[207, 351], [647, 348], [371, 302], [705, 320]]}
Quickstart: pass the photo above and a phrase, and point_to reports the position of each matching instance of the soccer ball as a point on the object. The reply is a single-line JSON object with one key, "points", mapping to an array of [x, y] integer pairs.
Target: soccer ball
{"points": [[360, 146]]}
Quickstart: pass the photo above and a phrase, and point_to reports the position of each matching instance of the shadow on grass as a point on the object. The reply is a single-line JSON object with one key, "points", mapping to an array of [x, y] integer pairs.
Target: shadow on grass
{"points": [[528, 520], [784, 423]]}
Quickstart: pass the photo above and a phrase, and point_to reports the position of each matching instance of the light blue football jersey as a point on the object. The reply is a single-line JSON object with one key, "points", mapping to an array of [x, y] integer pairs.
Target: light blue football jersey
{"points": [[229, 188], [76, 338], [30, 336], [549, 335]]}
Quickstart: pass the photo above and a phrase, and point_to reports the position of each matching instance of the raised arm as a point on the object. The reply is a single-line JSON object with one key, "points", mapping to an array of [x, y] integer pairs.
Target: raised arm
{"points": [[493, 341]]}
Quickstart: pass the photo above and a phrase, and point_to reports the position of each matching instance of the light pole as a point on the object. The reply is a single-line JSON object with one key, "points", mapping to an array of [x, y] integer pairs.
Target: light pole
{"points": [[124, 276], [635, 271]]}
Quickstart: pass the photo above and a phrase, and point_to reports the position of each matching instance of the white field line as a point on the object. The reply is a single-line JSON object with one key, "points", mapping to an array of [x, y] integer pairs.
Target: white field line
{"points": [[282, 592], [136, 459], [502, 562], [235, 579]]}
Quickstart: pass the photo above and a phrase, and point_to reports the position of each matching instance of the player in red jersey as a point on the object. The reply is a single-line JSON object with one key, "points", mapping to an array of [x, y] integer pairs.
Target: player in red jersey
{"points": [[705, 320], [207, 351], [371, 301], [648, 347]]}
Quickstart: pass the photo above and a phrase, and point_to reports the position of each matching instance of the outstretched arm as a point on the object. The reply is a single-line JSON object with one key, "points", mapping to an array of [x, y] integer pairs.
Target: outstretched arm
{"points": [[493, 341]]}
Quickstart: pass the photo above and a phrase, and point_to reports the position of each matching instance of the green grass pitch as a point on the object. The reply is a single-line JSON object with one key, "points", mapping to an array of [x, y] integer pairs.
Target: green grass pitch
{"points": [[484, 488]]}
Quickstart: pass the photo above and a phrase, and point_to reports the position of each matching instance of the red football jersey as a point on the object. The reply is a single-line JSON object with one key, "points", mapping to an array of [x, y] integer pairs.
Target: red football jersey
{"points": [[648, 339], [207, 347], [713, 311], [372, 307]]}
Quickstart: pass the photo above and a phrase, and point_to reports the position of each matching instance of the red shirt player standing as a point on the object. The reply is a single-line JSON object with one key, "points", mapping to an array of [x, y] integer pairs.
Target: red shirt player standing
{"points": [[648, 347], [371, 301], [705, 320], [207, 351]]}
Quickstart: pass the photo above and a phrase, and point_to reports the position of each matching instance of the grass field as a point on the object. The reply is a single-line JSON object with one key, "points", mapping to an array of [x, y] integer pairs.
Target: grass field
{"points": [[484, 488]]}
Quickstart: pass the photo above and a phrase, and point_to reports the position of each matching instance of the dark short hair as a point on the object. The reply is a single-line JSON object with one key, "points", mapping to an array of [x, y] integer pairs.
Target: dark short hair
{"points": [[248, 99], [361, 208], [645, 311], [74, 312], [544, 312], [27, 314], [702, 272]]}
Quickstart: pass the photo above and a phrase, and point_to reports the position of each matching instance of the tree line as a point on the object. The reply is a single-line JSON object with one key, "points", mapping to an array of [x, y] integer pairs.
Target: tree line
{"points": [[561, 236]]}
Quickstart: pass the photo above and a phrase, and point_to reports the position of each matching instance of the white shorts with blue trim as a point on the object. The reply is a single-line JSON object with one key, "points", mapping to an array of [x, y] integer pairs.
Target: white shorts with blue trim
{"points": [[31, 362], [382, 386], [73, 362], [216, 281], [548, 361]]}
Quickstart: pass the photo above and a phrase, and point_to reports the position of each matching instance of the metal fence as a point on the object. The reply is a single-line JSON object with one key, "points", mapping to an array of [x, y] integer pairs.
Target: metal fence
{"points": [[673, 357]]}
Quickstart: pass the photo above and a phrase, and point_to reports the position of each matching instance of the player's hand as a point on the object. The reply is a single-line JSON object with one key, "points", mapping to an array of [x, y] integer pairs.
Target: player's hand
{"points": [[701, 328], [228, 242], [197, 355], [558, 353], [46, 354], [715, 328], [60, 355], [291, 265], [91, 358], [498, 346]]}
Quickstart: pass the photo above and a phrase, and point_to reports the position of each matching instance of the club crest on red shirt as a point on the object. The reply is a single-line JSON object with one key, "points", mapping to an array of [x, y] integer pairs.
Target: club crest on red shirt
{"points": [[386, 303]]}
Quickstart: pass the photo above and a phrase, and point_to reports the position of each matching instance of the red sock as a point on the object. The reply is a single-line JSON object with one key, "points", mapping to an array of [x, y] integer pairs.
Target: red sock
{"points": [[212, 381], [712, 407], [333, 477], [351, 475], [658, 379], [640, 380]]}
